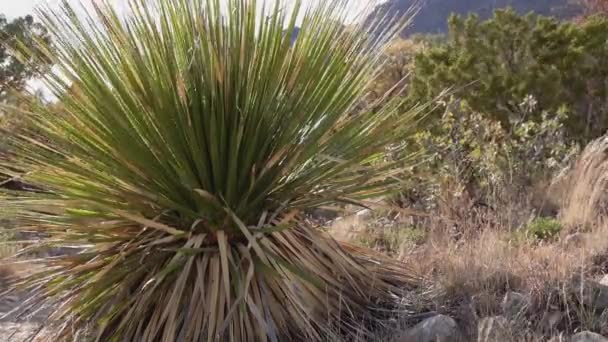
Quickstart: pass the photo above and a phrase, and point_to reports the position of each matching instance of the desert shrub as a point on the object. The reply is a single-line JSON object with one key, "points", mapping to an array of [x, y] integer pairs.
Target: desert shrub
{"points": [[15, 70], [473, 161], [391, 238], [192, 142], [493, 64], [543, 228]]}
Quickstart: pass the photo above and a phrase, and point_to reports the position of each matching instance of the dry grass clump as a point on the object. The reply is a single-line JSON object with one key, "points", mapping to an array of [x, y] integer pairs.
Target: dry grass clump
{"points": [[469, 277], [583, 189], [475, 259], [475, 274], [6, 272], [8, 248]]}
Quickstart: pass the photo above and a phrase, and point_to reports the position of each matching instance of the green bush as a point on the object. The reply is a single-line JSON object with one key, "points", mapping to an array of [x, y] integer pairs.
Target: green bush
{"points": [[470, 155], [494, 64], [542, 228]]}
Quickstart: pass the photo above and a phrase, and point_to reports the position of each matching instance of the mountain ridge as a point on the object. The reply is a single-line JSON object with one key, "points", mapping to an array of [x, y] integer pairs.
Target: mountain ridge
{"points": [[433, 14]]}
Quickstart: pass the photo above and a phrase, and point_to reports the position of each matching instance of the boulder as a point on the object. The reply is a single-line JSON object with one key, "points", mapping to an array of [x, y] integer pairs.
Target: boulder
{"points": [[438, 328], [550, 320], [587, 336], [515, 304], [592, 294], [492, 329], [604, 280]]}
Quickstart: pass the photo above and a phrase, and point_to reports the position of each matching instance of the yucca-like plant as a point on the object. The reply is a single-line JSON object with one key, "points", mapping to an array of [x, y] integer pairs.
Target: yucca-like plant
{"points": [[193, 135]]}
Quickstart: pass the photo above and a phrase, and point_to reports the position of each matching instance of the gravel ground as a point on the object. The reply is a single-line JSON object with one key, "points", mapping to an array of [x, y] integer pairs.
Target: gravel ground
{"points": [[13, 329], [19, 332]]}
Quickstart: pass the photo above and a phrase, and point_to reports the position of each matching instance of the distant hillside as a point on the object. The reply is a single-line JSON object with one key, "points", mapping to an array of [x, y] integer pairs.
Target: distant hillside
{"points": [[433, 15]]}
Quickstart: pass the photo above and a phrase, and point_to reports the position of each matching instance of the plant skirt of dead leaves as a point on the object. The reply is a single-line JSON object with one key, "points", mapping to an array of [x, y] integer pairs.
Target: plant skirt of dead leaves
{"points": [[189, 136]]}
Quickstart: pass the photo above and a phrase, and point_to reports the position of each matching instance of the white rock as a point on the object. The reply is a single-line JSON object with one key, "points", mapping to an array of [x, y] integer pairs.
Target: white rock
{"points": [[364, 214], [604, 280], [438, 328], [587, 336]]}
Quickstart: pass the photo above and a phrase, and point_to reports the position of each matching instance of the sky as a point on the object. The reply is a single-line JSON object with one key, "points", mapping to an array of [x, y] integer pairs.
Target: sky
{"points": [[15, 8]]}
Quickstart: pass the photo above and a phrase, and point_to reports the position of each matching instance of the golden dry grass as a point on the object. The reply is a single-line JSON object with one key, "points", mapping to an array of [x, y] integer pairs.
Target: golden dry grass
{"points": [[472, 276], [475, 269], [583, 189]]}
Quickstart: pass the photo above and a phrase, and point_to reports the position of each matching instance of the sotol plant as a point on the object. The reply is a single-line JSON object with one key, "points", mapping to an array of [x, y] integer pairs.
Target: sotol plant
{"points": [[192, 137]]}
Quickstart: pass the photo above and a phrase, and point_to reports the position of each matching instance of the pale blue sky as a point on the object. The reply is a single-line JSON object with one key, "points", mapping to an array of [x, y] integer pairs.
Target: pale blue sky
{"points": [[14, 8]]}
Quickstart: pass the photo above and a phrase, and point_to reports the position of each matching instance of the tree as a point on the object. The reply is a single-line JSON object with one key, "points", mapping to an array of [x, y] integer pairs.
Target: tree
{"points": [[24, 44], [191, 144], [21, 57], [495, 64]]}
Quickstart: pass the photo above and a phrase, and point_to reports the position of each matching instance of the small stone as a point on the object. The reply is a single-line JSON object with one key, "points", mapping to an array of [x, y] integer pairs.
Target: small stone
{"points": [[364, 214], [438, 328], [61, 251], [587, 336], [550, 320], [492, 329], [515, 304], [323, 215]]}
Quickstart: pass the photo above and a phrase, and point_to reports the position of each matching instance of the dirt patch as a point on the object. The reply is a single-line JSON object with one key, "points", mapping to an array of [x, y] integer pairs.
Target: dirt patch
{"points": [[12, 328], [19, 332]]}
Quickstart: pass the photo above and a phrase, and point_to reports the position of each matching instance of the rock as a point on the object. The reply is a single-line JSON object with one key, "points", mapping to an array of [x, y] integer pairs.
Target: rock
{"points": [[604, 280], [323, 215], [492, 329], [364, 214], [587, 336], [515, 304], [592, 294], [550, 320], [438, 328], [61, 251]]}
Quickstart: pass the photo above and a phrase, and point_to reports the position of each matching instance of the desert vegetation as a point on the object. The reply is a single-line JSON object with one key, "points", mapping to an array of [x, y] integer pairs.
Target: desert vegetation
{"points": [[265, 171]]}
